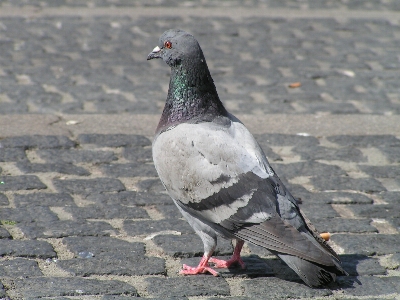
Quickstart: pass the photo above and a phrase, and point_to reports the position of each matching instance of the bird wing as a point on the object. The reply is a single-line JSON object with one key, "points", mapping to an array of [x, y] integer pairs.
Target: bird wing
{"points": [[217, 172]]}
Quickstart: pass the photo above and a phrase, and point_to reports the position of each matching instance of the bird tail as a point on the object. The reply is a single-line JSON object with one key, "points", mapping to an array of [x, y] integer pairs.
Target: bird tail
{"points": [[311, 273]]}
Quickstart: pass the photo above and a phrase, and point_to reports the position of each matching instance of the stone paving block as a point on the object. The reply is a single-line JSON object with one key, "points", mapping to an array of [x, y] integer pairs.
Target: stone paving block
{"points": [[4, 234], [58, 229], [307, 168], [27, 248], [148, 227], [22, 182], [107, 212], [347, 183], [200, 285], [343, 225], [371, 244], [381, 171], [169, 211], [394, 261], [391, 197], [116, 263], [70, 286], [392, 153], [7, 154], [138, 154], [27, 215], [77, 156], [130, 198], [365, 141], [129, 170], [37, 141], [63, 168], [101, 244], [360, 265], [88, 186], [20, 267], [275, 288], [151, 185], [43, 199], [189, 245], [336, 197], [275, 139], [4, 200], [255, 267], [233, 298], [110, 297], [382, 211], [369, 285], [395, 222], [347, 154], [318, 211], [114, 140]]}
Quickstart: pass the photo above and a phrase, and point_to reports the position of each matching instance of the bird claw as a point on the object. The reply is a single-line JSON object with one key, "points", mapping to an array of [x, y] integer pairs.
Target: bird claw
{"points": [[187, 270], [220, 263]]}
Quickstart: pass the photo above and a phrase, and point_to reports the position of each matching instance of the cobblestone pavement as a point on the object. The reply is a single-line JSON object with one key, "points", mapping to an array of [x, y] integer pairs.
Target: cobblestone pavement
{"points": [[82, 212]]}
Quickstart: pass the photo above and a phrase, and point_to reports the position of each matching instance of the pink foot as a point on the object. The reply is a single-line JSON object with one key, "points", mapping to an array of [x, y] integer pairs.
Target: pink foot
{"points": [[219, 263], [202, 268]]}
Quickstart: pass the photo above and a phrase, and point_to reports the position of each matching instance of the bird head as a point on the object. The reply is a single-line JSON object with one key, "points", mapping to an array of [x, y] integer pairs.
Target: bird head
{"points": [[177, 46]]}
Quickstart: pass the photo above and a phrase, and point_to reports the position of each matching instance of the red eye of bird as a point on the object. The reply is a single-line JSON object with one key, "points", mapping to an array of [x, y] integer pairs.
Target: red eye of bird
{"points": [[168, 44]]}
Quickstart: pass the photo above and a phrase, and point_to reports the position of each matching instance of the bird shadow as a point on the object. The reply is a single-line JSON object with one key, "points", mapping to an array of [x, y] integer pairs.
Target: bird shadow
{"points": [[257, 266], [350, 263]]}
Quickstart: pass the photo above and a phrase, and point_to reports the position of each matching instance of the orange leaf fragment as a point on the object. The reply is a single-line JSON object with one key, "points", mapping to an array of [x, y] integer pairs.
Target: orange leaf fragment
{"points": [[294, 85], [326, 236]]}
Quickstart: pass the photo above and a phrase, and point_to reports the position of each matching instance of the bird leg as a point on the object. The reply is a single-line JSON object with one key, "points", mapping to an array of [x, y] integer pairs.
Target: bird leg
{"points": [[203, 267], [219, 263]]}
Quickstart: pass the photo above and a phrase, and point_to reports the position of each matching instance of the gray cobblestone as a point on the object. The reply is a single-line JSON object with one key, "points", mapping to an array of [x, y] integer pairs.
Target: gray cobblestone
{"points": [[63, 168], [110, 257], [187, 286], [370, 286], [344, 225], [20, 267], [50, 287], [149, 227], [4, 234], [106, 212], [3, 200], [114, 140], [28, 248], [58, 229], [345, 183], [129, 170], [43, 199], [360, 265], [77, 156], [88, 186], [273, 288], [23, 182], [37, 141], [27, 215], [367, 244], [7, 154]]}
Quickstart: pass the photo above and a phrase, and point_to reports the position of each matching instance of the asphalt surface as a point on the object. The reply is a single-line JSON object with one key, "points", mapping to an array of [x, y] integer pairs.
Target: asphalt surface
{"points": [[82, 212]]}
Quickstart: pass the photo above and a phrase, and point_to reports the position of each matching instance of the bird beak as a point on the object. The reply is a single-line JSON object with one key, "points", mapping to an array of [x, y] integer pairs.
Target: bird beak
{"points": [[156, 53]]}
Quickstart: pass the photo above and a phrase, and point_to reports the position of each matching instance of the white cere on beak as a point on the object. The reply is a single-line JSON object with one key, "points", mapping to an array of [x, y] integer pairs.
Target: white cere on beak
{"points": [[156, 49]]}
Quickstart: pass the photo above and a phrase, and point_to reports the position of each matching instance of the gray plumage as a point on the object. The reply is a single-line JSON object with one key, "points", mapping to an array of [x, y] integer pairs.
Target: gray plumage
{"points": [[219, 177]]}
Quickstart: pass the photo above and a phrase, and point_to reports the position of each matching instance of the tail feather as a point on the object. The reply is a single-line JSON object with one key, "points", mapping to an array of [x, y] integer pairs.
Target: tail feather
{"points": [[312, 274]]}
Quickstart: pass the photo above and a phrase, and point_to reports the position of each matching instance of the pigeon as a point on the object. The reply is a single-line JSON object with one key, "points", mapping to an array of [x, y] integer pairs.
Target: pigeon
{"points": [[219, 177]]}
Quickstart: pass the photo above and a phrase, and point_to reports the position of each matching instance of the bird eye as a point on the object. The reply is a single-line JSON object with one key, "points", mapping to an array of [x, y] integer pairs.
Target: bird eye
{"points": [[168, 44]]}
